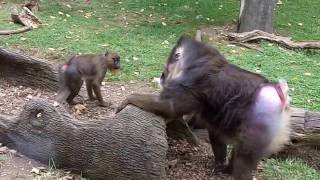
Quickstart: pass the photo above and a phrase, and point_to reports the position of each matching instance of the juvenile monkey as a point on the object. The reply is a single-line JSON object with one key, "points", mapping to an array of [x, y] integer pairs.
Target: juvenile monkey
{"points": [[89, 68]]}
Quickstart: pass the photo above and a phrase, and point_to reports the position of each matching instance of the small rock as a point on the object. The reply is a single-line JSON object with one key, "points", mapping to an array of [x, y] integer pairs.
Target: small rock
{"points": [[39, 115], [36, 171], [12, 151], [55, 104], [3, 150], [172, 163]]}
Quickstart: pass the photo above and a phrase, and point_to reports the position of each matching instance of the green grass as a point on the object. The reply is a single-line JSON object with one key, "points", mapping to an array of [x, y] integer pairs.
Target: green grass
{"points": [[293, 12], [288, 169], [150, 30]]}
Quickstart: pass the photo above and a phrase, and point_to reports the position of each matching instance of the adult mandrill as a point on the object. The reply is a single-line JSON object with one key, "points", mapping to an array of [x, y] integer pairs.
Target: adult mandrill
{"points": [[89, 68], [240, 107]]}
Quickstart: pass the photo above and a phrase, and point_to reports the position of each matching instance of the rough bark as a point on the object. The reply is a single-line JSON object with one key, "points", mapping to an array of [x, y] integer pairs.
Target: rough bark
{"points": [[25, 70], [25, 17], [132, 145], [306, 127], [256, 14], [283, 41]]}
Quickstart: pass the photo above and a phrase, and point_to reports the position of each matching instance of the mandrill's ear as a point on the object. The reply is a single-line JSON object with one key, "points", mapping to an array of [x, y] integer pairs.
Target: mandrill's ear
{"points": [[106, 53], [181, 39]]}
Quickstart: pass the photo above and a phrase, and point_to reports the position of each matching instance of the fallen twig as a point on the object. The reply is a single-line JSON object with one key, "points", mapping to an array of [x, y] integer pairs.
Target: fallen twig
{"points": [[283, 41], [16, 31]]}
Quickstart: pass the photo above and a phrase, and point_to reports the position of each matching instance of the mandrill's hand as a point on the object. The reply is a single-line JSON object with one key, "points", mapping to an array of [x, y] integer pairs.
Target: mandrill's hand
{"points": [[122, 105]]}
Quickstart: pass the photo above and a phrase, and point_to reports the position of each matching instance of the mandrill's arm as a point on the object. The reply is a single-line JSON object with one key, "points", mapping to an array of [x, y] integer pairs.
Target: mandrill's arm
{"points": [[151, 103], [168, 105]]}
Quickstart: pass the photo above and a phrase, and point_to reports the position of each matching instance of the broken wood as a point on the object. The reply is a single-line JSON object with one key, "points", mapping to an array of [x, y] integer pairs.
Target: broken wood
{"points": [[32, 5], [305, 126], [16, 31], [131, 145], [25, 17], [283, 41], [198, 36]]}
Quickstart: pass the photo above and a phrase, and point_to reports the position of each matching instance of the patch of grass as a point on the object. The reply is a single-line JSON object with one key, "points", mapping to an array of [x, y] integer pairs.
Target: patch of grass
{"points": [[293, 12], [288, 169], [143, 39]]}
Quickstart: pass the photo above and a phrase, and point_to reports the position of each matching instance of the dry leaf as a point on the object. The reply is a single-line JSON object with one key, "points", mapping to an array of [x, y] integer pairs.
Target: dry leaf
{"points": [[80, 108], [36, 171]]}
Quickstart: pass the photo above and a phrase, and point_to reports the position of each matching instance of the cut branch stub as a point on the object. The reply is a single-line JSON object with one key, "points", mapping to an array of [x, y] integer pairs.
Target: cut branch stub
{"points": [[132, 145]]}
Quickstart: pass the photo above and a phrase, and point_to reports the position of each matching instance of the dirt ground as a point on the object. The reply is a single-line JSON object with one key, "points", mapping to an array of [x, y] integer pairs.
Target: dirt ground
{"points": [[184, 160]]}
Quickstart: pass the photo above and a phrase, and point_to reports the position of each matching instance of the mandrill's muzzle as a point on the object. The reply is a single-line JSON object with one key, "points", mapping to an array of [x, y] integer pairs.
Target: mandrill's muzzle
{"points": [[115, 71]]}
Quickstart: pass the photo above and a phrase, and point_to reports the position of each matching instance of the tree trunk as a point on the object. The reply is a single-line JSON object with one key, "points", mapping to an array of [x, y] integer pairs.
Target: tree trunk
{"points": [[132, 145], [256, 15]]}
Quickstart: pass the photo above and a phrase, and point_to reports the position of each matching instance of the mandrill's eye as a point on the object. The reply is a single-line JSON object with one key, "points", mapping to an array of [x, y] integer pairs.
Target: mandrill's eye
{"points": [[176, 56]]}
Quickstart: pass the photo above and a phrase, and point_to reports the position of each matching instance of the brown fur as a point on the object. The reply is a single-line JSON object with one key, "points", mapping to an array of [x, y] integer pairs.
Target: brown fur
{"points": [[89, 68]]}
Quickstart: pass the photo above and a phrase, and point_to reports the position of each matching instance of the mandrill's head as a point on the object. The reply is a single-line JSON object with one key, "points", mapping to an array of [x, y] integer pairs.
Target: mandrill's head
{"points": [[113, 62]]}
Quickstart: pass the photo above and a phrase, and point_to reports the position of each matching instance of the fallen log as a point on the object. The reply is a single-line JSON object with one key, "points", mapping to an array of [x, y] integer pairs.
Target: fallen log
{"points": [[283, 41], [305, 126], [21, 69], [132, 145]]}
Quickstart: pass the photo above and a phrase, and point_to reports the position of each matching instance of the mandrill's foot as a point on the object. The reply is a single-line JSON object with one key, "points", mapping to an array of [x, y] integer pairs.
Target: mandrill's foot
{"points": [[92, 98], [105, 104], [223, 169], [73, 102]]}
